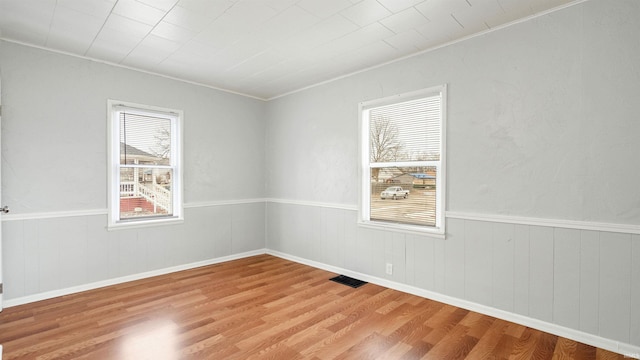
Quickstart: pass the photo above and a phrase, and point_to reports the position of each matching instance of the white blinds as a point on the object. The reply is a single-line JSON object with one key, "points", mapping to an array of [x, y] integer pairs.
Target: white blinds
{"points": [[144, 139], [406, 131]]}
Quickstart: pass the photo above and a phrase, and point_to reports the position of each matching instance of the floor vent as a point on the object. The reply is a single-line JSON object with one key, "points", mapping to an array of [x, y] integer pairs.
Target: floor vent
{"points": [[345, 280]]}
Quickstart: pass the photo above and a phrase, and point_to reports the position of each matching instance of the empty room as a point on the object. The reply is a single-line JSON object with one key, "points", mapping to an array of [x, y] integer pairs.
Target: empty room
{"points": [[320, 179]]}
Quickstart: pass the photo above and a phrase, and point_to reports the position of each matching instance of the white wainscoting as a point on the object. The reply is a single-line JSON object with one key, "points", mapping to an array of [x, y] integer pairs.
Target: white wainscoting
{"points": [[47, 255], [582, 284]]}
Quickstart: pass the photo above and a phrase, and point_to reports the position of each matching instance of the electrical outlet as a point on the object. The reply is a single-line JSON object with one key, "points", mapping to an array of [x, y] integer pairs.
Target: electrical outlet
{"points": [[389, 269]]}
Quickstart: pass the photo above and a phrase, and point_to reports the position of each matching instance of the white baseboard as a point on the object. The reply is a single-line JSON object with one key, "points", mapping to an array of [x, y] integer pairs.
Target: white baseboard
{"points": [[123, 279], [628, 350]]}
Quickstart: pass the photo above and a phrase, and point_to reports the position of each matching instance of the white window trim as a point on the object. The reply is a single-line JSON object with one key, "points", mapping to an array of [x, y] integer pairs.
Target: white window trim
{"points": [[365, 183], [113, 146]]}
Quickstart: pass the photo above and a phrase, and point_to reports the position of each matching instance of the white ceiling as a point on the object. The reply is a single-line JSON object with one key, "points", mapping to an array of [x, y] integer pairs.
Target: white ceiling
{"points": [[260, 48]]}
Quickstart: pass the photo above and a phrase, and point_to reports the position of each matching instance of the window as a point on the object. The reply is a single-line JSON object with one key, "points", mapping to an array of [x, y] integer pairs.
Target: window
{"points": [[402, 152], [145, 186]]}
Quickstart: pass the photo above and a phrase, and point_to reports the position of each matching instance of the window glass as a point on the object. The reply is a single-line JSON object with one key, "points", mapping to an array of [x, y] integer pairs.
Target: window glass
{"points": [[145, 178], [402, 162], [414, 188]]}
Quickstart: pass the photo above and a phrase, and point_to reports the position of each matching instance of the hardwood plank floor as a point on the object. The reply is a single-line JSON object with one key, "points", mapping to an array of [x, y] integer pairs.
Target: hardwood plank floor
{"points": [[265, 307]]}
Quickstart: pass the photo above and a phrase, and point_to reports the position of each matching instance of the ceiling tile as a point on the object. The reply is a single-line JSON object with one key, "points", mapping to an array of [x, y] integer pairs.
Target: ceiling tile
{"points": [[515, 9], [207, 8], [234, 24], [278, 70], [479, 15], [256, 63], [29, 10], [190, 19], [138, 11], [407, 42], [239, 52], [70, 41], [35, 34], [367, 56], [441, 30], [172, 32], [67, 19], [366, 12], [223, 32], [326, 8], [128, 26], [362, 37], [434, 10], [285, 25], [399, 5], [30, 33], [156, 42], [117, 39], [279, 5], [321, 33], [27, 21], [188, 68], [250, 13], [198, 49], [404, 20], [146, 57], [99, 8], [112, 45], [544, 5], [164, 5]]}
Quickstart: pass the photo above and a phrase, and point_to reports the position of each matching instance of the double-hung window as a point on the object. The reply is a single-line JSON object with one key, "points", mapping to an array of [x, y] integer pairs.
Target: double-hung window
{"points": [[402, 161], [145, 186]]}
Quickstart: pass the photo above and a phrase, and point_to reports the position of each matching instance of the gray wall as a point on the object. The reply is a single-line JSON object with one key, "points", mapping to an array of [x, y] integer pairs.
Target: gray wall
{"points": [[541, 120], [542, 128], [54, 173]]}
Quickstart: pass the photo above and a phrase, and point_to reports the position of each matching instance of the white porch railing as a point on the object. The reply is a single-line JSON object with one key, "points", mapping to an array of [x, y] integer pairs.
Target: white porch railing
{"points": [[153, 193], [157, 195], [127, 189]]}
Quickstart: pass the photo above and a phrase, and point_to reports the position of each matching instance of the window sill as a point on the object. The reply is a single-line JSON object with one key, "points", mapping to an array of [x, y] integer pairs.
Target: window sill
{"points": [[437, 233], [146, 223]]}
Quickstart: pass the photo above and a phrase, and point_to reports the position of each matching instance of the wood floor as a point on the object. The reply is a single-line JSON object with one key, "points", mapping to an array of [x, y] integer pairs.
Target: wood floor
{"points": [[265, 307]]}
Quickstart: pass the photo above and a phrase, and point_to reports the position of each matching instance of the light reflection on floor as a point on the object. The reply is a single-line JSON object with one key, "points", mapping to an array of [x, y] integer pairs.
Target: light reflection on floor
{"points": [[155, 340]]}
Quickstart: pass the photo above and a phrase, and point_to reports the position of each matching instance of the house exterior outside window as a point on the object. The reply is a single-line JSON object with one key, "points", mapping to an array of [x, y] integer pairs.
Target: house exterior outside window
{"points": [[402, 169], [145, 177]]}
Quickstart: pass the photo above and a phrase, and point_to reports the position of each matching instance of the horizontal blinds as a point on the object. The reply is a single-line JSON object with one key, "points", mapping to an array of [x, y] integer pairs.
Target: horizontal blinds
{"points": [[406, 131], [144, 139]]}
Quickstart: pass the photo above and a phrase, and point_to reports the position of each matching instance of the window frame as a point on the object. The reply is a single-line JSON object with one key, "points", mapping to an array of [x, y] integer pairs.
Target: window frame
{"points": [[114, 108], [364, 203]]}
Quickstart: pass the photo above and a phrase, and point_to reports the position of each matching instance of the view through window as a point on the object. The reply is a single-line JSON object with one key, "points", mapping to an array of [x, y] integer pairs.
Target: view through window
{"points": [[402, 159], [145, 166]]}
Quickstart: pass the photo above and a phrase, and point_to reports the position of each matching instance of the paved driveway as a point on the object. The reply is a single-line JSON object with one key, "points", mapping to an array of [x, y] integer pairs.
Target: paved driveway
{"points": [[419, 208]]}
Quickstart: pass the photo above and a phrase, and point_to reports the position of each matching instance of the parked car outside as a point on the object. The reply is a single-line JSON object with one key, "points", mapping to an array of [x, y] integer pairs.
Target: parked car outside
{"points": [[394, 192]]}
